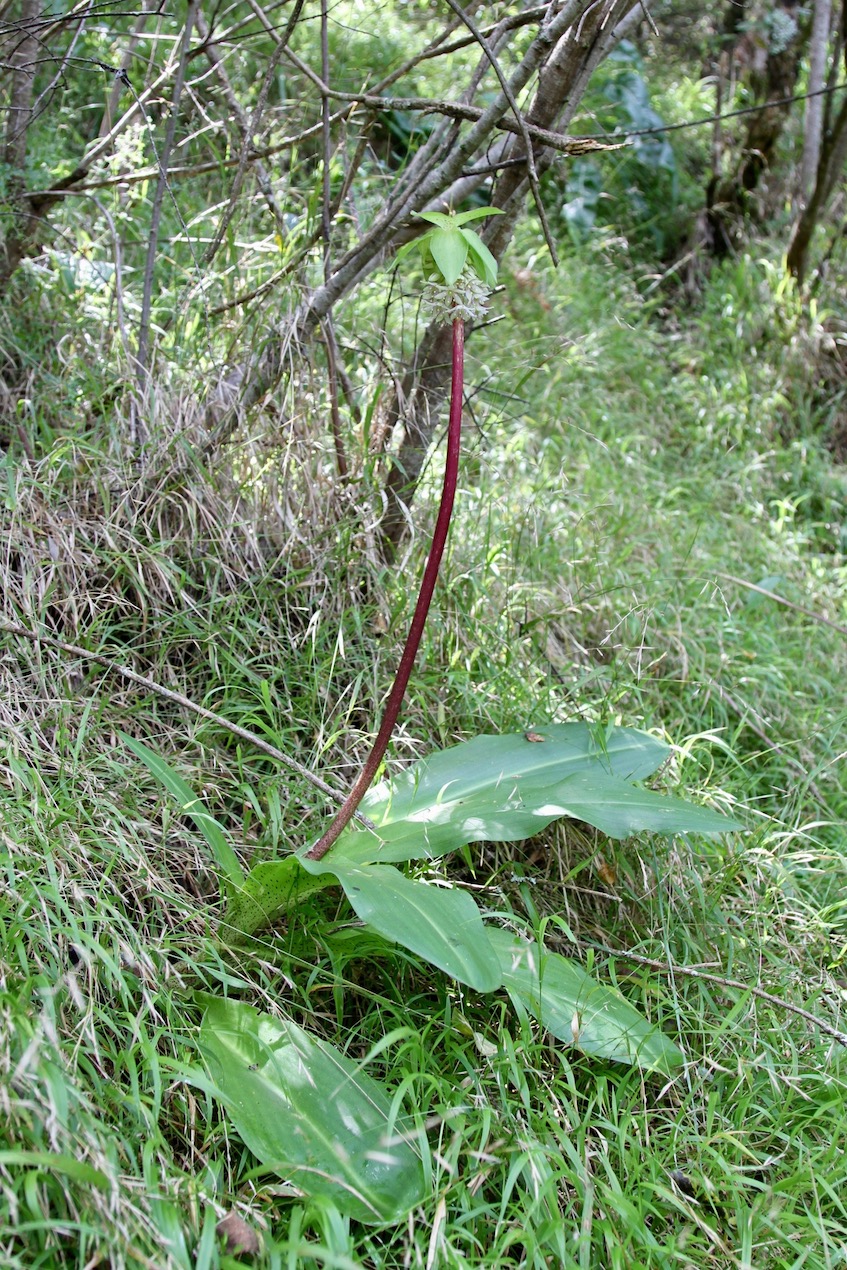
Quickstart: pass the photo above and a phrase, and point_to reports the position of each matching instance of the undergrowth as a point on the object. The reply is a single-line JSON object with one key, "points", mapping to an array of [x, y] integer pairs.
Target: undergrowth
{"points": [[651, 532]]}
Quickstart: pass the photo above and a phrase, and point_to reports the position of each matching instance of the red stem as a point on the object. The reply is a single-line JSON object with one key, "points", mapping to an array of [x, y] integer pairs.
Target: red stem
{"points": [[407, 661]]}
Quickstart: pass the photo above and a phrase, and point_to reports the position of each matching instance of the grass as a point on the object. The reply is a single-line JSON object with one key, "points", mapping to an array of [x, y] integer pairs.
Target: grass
{"points": [[617, 508]]}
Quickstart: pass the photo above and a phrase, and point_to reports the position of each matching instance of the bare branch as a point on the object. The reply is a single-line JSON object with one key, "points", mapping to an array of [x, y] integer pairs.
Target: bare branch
{"points": [[442, 174], [722, 981], [239, 114], [250, 132], [436, 167], [158, 199], [327, 159], [519, 120], [331, 345]]}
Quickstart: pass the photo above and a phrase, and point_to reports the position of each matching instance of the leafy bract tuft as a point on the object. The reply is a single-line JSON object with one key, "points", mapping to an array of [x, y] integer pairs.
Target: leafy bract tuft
{"points": [[448, 248]]}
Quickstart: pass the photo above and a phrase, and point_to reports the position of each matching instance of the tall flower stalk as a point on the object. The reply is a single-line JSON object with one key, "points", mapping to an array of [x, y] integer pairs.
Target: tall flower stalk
{"points": [[460, 272]]}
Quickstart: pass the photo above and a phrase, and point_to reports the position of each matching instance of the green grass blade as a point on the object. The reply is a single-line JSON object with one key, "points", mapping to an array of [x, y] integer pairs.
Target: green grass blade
{"points": [[191, 806], [76, 1170]]}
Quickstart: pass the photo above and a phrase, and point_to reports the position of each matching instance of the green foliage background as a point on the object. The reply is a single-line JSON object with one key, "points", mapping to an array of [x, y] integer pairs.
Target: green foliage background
{"points": [[651, 531]]}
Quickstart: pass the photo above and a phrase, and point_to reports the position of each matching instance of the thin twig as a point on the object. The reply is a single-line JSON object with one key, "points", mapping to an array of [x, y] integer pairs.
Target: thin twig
{"points": [[722, 982], [120, 72], [257, 292], [450, 109], [119, 288], [66, 57], [359, 257], [346, 384], [331, 346], [37, 637], [42, 199], [727, 114], [789, 604], [250, 131], [243, 122], [326, 140], [64, 187], [326, 233], [354, 165], [556, 141], [437, 48]]}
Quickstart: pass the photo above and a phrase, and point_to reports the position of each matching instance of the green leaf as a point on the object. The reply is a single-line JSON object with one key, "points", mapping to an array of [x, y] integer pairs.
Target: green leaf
{"points": [[310, 1114], [270, 890], [476, 213], [579, 1011], [191, 806], [445, 219], [441, 924], [449, 251], [407, 249], [484, 262], [619, 809], [501, 788], [76, 1170]]}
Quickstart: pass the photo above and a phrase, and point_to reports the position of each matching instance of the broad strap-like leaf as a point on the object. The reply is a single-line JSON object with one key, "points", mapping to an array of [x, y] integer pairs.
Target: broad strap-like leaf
{"points": [[310, 1114], [441, 924], [501, 788], [577, 1009], [619, 809], [190, 805]]}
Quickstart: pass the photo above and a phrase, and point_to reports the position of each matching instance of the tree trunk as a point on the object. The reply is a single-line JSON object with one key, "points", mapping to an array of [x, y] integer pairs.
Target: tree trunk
{"points": [[728, 201], [814, 105], [830, 167], [21, 64], [833, 156]]}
